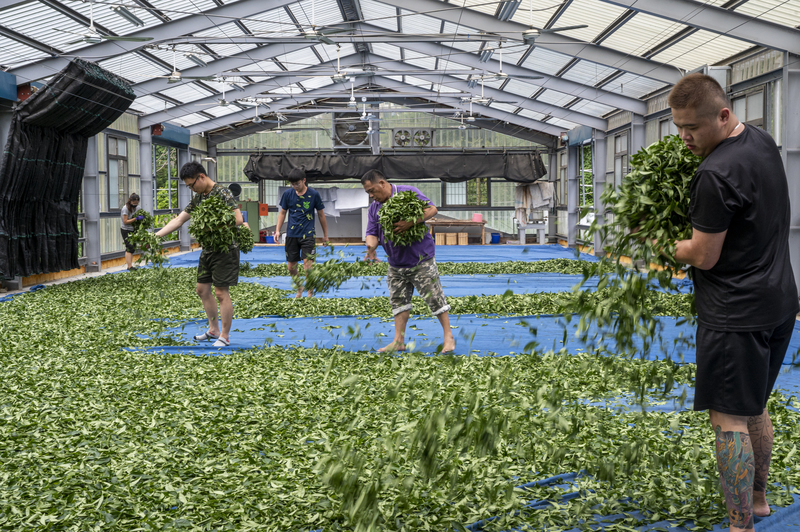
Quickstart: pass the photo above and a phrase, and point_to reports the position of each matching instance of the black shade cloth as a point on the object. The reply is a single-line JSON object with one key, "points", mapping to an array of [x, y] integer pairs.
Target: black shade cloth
{"points": [[525, 167], [42, 167]]}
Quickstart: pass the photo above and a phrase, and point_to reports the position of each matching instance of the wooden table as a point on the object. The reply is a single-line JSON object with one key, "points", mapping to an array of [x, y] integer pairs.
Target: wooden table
{"points": [[433, 222]]}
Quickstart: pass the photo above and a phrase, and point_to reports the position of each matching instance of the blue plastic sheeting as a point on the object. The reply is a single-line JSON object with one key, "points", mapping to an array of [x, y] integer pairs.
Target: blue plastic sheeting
{"points": [[277, 255], [458, 285], [779, 520], [474, 335]]}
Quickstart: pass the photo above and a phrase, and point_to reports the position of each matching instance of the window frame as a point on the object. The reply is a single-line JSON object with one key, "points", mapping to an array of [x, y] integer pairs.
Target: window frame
{"points": [[468, 205], [116, 157]]}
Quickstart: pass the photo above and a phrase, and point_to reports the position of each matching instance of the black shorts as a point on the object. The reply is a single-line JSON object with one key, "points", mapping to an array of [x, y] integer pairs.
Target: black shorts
{"points": [[736, 371], [219, 269], [130, 248], [300, 248]]}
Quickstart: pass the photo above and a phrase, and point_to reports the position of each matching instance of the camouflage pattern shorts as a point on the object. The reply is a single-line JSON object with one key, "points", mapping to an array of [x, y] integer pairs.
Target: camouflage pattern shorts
{"points": [[425, 278]]}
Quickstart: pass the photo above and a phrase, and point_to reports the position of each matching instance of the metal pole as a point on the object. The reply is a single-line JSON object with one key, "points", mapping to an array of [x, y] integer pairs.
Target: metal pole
{"points": [[599, 177], [638, 135], [184, 197], [146, 169], [91, 207], [790, 141], [552, 175], [573, 213]]}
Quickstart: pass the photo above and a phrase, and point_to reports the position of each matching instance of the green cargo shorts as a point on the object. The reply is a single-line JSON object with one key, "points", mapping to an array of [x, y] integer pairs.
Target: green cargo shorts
{"points": [[219, 269], [425, 278]]}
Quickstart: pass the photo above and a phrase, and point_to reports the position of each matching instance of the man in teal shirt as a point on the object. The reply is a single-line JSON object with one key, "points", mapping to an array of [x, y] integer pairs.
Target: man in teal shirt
{"points": [[300, 202]]}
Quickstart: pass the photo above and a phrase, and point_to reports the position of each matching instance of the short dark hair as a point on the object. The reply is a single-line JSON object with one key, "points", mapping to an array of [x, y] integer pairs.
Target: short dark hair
{"points": [[373, 176], [700, 92], [296, 174], [192, 169]]}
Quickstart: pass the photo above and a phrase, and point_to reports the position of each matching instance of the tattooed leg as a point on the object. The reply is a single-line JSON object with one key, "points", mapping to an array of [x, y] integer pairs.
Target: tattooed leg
{"points": [[736, 470], [761, 437]]}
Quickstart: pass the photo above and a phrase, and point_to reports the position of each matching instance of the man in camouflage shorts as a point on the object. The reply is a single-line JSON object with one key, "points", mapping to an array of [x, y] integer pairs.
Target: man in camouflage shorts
{"points": [[425, 278], [412, 266]]}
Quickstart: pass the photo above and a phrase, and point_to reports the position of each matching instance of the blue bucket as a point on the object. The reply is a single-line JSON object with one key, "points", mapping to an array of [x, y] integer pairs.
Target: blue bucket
{"points": [[495, 238], [270, 240]]}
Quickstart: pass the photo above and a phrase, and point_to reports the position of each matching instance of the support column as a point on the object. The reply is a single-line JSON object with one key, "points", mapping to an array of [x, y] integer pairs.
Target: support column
{"points": [[573, 212], [638, 134], [184, 197], [146, 169], [91, 207], [211, 167], [552, 176], [790, 140], [598, 185]]}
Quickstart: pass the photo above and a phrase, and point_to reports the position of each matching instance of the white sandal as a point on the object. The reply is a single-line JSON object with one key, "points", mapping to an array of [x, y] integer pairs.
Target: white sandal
{"points": [[221, 342], [205, 336]]}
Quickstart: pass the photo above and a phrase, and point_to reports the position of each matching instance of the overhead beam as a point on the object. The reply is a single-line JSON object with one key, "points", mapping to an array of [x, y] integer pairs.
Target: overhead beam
{"points": [[249, 91], [551, 41], [548, 81], [221, 65], [718, 20], [338, 39], [27, 41], [524, 103], [184, 26]]}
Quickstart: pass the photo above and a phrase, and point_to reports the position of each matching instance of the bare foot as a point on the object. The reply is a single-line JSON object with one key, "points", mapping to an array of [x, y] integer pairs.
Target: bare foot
{"points": [[394, 346], [760, 506], [449, 345]]}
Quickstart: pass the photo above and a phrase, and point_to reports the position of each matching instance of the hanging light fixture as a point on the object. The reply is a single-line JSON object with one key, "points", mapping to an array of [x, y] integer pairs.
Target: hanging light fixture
{"points": [[127, 15], [194, 58]]}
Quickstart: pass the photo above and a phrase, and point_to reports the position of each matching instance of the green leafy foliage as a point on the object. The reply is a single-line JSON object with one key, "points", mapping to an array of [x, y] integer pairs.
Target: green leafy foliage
{"points": [[403, 206], [244, 239], [150, 246], [95, 437], [362, 269], [649, 213], [213, 224]]}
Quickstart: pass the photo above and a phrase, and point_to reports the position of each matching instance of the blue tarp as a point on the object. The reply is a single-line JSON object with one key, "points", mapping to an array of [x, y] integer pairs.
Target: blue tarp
{"points": [[498, 253], [474, 335], [458, 285]]}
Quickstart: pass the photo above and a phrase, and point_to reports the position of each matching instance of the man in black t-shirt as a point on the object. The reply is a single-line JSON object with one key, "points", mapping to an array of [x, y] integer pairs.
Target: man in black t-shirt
{"points": [[745, 291]]}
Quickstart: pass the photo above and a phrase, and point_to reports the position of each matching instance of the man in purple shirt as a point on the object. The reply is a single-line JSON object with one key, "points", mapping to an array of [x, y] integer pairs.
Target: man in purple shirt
{"points": [[410, 267]]}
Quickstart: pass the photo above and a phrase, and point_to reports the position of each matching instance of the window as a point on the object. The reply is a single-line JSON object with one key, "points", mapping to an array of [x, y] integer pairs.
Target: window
{"points": [[117, 187], [473, 193], [620, 158], [749, 108], [165, 177], [586, 184], [562, 178], [666, 128]]}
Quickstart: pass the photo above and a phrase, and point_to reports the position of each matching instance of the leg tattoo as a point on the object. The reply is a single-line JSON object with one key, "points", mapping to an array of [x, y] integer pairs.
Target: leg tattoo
{"points": [[736, 471], [761, 437]]}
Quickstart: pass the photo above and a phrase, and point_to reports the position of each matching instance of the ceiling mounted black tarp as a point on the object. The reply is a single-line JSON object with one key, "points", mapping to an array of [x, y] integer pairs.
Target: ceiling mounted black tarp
{"points": [[521, 167], [42, 167]]}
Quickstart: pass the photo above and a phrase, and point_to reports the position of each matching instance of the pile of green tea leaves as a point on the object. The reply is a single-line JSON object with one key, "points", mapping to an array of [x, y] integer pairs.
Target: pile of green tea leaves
{"points": [[244, 239], [403, 206], [150, 246], [364, 269], [94, 436], [214, 225]]}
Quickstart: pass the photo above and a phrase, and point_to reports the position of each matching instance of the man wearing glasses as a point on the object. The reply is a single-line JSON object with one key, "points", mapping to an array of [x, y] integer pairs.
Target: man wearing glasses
{"points": [[219, 269]]}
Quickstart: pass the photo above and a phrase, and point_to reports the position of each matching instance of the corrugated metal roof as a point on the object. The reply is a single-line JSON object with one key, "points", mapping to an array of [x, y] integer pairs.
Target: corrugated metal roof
{"points": [[566, 124], [782, 12], [594, 13], [592, 108], [633, 85], [189, 120], [588, 73], [542, 12], [133, 67], [176, 9], [533, 115], [188, 92], [42, 24], [701, 48], [546, 61], [420, 60], [386, 50], [642, 33], [423, 24], [104, 16], [13, 53], [521, 88], [325, 12], [316, 83], [381, 15], [270, 23], [298, 59], [504, 107], [554, 98], [150, 104]]}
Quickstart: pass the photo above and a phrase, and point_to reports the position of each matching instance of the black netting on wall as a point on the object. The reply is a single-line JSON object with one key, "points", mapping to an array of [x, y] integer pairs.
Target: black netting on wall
{"points": [[524, 167], [42, 167]]}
